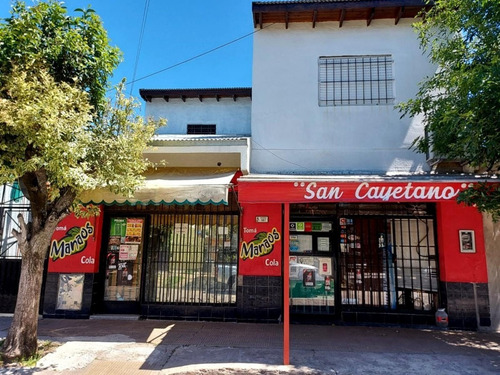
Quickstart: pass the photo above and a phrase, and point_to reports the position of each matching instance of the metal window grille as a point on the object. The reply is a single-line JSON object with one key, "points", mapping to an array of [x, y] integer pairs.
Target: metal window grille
{"points": [[356, 80], [201, 129], [12, 204], [390, 263], [192, 259]]}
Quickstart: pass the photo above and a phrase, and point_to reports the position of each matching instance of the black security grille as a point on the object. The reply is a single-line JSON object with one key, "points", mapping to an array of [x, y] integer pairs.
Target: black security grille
{"points": [[388, 262], [192, 259], [355, 80], [201, 129], [383, 256]]}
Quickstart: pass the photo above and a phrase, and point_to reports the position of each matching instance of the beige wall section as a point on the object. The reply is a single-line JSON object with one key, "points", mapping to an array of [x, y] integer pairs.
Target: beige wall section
{"points": [[492, 244]]}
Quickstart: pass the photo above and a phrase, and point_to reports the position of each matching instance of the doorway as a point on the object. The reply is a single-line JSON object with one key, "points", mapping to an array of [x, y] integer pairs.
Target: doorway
{"points": [[363, 258]]}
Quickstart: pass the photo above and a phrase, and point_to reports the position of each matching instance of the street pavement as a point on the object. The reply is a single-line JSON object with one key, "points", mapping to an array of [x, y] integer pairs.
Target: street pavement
{"points": [[109, 345]]}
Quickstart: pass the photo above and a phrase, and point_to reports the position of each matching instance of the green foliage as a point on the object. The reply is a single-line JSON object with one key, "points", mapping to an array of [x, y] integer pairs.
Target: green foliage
{"points": [[44, 126], [486, 197], [48, 127], [56, 120], [119, 138], [460, 104], [74, 50]]}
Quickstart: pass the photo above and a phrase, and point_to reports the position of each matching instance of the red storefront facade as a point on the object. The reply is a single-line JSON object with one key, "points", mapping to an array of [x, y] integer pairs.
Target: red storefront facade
{"points": [[381, 251], [343, 251]]}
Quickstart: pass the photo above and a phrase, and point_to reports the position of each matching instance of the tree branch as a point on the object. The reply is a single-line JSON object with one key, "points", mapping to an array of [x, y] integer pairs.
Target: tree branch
{"points": [[22, 236]]}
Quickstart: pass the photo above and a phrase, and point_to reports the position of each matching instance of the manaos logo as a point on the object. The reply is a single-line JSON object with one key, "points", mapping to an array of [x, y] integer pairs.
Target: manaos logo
{"points": [[74, 241], [262, 244]]}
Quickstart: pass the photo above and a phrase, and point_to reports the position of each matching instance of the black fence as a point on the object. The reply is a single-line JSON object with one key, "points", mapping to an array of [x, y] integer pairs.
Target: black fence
{"points": [[10, 271]]}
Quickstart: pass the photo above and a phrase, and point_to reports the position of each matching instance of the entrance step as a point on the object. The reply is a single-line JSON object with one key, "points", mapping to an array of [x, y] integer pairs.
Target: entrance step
{"points": [[114, 317]]}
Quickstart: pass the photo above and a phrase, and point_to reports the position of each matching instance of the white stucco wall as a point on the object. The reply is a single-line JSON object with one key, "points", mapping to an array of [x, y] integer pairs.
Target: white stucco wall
{"points": [[231, 117], [291, 133]]}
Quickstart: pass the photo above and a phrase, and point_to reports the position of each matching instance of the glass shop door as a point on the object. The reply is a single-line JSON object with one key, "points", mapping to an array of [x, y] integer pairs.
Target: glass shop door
{"points": [[312, 267]]}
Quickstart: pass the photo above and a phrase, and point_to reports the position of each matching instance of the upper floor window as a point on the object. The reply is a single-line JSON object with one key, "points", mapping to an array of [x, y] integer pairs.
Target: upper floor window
{"points": [[356, 80], [201, 129]]}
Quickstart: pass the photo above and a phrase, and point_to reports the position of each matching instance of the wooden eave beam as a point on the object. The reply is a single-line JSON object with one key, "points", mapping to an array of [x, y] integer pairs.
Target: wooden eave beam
{"points": [[399, 15], [273, 12], [342, 17], [370, 17], [269, 8]]}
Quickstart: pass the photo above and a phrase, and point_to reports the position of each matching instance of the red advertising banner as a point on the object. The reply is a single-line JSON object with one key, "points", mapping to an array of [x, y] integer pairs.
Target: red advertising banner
{"points": [[260, 248], [332, 191], [74, 247]]}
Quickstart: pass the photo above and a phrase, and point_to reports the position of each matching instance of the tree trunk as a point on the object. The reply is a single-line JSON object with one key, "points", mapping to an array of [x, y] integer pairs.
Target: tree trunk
{"points": [[22, 340]]}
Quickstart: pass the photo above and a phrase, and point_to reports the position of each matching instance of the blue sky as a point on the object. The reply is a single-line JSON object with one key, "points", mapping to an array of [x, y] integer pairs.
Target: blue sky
{"points": [[175, 31]]}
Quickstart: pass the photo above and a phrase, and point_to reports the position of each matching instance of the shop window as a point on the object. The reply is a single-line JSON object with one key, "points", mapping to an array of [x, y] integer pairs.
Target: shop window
{"points": [[192, 259], [366, 257], [311, 266], [201, 129], [124, 259], [356, 80]]}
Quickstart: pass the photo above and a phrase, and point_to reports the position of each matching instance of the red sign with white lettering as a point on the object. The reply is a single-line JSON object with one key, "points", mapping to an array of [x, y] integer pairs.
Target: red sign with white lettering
{"points": [[328, 191], [261, 242], [74, 247]]}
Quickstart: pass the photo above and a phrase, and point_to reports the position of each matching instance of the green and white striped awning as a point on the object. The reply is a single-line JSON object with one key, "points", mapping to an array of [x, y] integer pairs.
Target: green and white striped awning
{"points": [[162, 187]]}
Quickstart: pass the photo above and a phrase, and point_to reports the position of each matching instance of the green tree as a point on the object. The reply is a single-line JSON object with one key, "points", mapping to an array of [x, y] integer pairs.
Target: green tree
{"points": [[59, 134], [460, 103]]}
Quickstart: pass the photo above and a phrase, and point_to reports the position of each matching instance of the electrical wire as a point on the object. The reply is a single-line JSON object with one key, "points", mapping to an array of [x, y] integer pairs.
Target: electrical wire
{"points": [[276, 156], [194, 57], [139, 46]]}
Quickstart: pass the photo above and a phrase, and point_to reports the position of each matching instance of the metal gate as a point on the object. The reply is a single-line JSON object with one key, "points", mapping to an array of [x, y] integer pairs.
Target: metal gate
{"points": [[192, 259], [388, 262]]}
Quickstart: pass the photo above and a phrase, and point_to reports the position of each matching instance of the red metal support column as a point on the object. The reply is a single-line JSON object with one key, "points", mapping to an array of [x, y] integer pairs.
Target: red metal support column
{"points": [[286, 286]]}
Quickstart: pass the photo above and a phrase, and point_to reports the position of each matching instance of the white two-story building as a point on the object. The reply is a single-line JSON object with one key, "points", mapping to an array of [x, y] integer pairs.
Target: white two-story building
{"points": [[367, 228]]}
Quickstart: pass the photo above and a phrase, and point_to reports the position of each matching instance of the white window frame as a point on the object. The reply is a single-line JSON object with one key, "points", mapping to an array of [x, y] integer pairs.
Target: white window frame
{"points": [[355, 80]]}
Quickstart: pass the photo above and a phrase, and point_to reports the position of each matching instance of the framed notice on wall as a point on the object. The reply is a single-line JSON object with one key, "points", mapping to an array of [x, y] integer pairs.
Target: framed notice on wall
{"points": [[70, 291], [467, 241]]}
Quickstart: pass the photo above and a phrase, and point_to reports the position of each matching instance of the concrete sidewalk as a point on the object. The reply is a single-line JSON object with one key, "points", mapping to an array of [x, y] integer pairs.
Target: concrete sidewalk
{"points": [[111, 346]]}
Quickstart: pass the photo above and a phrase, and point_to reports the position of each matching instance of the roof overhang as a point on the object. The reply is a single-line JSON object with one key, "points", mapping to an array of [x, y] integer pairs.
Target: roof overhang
{"points": [[314, 12], [167, 187], [200, 94]]}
